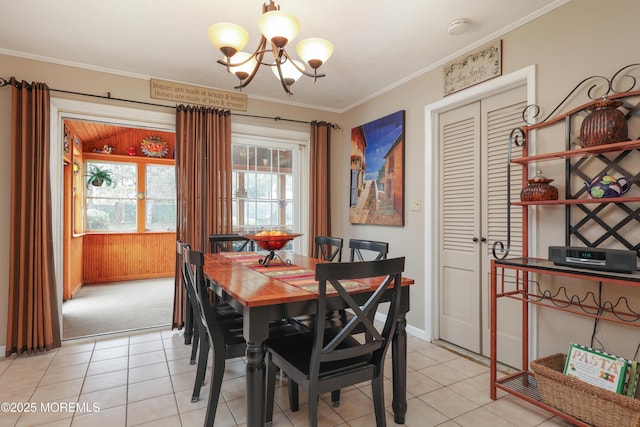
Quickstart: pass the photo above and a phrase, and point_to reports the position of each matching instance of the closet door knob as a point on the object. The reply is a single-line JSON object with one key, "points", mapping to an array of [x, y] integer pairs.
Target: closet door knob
{"points": [[475, 239], [483, 239]]}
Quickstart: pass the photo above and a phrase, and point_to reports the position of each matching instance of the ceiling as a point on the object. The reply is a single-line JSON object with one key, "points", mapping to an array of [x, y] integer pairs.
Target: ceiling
{"points": [[90, 132], [378, 43]]}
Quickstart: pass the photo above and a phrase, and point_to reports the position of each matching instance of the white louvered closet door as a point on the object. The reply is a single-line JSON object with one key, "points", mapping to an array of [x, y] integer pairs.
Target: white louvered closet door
{"points": [[500, 114], [460, 212], [474, 141]]}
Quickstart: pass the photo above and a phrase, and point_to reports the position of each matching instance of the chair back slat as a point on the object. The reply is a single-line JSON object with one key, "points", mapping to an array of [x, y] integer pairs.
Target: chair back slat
{"points": [[328, 248], [357, 246], [230, 243], [387, 274]]}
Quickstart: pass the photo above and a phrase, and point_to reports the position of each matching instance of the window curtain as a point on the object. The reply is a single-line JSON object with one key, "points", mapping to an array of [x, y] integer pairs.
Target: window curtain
{"points": [[319, 180], [203, 181], [33, 323]]}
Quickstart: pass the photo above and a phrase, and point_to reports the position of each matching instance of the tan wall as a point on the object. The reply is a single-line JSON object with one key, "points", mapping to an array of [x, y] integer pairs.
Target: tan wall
{"points": [[74, 79], [578, 39], [565, 47]]}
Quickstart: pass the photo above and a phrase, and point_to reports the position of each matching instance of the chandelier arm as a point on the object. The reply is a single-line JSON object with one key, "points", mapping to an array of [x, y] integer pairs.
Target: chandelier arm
{"points": [[284, 85], [315, 75], [259, 50], [258, 55]]}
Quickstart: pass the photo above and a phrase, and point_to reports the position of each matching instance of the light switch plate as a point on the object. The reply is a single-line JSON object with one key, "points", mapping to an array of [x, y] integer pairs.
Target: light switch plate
{"points": [[416, 204]]}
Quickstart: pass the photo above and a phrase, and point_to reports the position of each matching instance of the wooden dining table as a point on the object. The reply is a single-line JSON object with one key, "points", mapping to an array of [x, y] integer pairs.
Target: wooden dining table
{"points": [[261, 297]]}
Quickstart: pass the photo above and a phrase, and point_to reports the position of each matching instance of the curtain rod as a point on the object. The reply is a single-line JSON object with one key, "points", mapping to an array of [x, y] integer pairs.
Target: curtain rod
{"points": [[7, 82]]}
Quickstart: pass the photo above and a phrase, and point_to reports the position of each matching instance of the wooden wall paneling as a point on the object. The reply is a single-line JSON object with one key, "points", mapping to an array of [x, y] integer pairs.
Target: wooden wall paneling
{"points": [[76, 270], [117, 257], [68, 230]]}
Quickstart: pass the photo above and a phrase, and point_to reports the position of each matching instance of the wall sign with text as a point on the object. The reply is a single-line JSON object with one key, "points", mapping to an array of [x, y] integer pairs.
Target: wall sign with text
{"points": [[478, 66], [189, 94]]}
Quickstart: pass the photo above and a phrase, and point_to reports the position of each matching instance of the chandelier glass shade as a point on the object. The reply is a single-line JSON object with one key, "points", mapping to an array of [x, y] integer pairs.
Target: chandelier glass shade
{"points": [[290, 71], [278, 30]]}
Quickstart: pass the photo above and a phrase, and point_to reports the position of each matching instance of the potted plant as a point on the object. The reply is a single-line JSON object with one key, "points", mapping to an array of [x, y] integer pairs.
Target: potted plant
{"points": [[98, 176]]}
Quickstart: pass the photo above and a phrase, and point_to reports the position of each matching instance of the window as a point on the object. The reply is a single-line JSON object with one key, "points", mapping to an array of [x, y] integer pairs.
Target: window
{"points": [[141, 198], [160, 197], [113, 207], [266, 183]]}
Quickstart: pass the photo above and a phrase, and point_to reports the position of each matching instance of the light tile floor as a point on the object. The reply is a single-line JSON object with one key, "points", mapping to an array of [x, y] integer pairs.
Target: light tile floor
{"points": [[145, 379]]}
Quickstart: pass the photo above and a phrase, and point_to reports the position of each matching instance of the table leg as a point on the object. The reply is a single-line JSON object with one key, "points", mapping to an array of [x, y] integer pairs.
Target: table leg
{"points": [[255, 384], [399, 355]]}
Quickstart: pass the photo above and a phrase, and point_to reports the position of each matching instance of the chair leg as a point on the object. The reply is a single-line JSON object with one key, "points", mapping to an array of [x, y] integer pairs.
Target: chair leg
{"points": [[377, 388], [313, 409], [293, 395], [271, 386], [217, 373], [194, 346], [335, 398], [202, 369]]}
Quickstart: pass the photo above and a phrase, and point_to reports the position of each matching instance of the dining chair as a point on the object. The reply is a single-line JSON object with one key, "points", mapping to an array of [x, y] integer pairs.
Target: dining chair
{"points": [[224, 335], [190, 327], [328, 248], [324, 359], [230, 243], [217, 243], [357, 246], [335, 318]]}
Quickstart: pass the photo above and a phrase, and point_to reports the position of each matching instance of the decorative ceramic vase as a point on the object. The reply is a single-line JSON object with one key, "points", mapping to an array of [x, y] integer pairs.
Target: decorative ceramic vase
{"points": [[605, 124], [539, 189], [606, 186]]}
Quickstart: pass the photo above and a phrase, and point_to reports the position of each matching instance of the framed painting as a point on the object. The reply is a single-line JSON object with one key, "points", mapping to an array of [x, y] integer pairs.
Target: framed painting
{"points": [[377, 172]]}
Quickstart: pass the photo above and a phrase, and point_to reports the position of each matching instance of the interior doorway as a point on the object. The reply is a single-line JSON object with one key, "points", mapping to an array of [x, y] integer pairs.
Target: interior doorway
{"points": [[433, 205], [66, 259], [474, 144]]}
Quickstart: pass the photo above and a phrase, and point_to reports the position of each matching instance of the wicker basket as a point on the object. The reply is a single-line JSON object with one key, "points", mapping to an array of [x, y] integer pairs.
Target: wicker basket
{"points": [[591, 404]]}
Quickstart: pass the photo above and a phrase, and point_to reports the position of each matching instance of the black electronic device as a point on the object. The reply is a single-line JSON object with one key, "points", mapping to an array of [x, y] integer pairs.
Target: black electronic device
{"points": [[617, 260]]}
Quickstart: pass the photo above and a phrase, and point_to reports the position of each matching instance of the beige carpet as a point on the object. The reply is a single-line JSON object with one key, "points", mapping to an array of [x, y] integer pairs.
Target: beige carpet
{"points": [[117, 307]]}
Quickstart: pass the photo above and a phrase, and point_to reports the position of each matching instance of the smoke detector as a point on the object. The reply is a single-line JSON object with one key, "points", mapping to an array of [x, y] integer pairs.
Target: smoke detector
{"points": [[458, 26]]}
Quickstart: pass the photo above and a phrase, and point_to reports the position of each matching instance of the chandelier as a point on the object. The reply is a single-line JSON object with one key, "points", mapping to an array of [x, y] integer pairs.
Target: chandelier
{"points": [[277, 28]]}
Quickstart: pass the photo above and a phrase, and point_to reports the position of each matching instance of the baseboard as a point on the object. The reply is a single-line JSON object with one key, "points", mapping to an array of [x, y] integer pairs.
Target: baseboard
{"points": [[118, 334], [418, 333], [114, 279], [411, 330]]}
